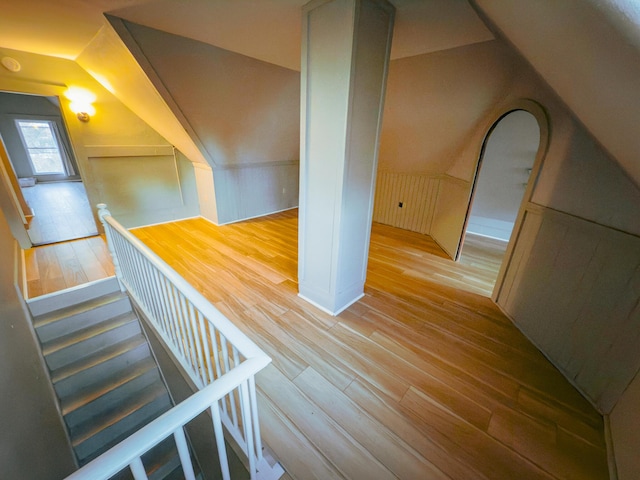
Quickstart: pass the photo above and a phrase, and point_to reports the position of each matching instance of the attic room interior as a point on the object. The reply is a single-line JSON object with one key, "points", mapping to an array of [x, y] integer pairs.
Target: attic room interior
{"points": [[321, 173]]}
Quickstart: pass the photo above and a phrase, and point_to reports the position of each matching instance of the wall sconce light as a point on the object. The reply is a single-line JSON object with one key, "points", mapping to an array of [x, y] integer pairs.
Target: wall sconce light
{"points": [[81, 103], [11, 64]]}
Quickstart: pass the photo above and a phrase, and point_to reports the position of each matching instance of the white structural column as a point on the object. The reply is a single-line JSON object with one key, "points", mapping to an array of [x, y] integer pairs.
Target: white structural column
{"points": [[345, 56]]}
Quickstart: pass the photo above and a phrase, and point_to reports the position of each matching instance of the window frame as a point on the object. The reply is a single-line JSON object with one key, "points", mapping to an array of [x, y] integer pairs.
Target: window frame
{"points": [[67, 167]]}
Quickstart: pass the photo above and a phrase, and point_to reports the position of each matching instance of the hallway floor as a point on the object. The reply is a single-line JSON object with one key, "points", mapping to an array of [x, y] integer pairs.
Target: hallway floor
{"points": [[51, 268], [61, 212]]}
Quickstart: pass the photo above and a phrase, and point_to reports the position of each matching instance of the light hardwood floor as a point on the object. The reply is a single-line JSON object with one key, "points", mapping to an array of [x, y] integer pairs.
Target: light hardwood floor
{"points": [[61, 212], [51, 268], [421, 379]]}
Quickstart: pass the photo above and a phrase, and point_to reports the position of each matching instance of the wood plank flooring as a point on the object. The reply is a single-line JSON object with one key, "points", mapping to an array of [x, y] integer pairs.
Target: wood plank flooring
{"points": [[421, 379], [51, 268], [61, 212]]}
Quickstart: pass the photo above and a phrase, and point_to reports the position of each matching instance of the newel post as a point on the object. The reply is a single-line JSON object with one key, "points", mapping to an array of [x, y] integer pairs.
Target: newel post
{"points": [[102, 213]]}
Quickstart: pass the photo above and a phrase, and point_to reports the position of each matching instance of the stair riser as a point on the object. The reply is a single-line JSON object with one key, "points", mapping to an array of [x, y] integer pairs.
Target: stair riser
{"points": [[110, 436], [96, 409], [82, 349], [53, 330], [66, 387], [50, 303]]}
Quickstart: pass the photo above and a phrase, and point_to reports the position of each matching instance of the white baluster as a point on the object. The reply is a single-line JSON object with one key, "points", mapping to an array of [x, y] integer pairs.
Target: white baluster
{"points": [[231, 396], [137, 469], [222, 449], [205, 341], [183, 451], [248, 434], [254, 415], [198, 341]]}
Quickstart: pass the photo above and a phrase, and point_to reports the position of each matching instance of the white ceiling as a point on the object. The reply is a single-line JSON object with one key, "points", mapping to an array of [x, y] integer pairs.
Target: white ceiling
{"points": [[265, 29]]}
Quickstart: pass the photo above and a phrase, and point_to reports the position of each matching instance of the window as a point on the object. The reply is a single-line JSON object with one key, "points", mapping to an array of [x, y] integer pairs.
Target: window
{"points": [[40, 139]]}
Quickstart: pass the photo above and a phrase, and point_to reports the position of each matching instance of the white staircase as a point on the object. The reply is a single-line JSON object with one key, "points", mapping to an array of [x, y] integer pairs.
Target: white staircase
{"points": [[103, 372]]}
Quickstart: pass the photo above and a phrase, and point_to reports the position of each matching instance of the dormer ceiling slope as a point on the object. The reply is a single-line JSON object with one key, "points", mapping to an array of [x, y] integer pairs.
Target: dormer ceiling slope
{"points": [[267, 30], [588, 51]]}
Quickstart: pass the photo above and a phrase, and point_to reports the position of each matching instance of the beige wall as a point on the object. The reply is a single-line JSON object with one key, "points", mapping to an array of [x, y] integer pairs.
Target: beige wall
{"points": [[242, 113], [625, 425], [241, 110], [33, 443], [157, 181], [113, 125], [435, 101], [569, 285], [435, 105]]}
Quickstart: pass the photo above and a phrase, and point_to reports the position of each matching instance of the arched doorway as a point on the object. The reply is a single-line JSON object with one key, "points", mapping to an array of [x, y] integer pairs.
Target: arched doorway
{"points": [[502, 175], [507, 168]]}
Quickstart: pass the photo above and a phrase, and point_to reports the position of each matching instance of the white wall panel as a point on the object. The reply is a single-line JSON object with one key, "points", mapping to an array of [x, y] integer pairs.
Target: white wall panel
{"points": [[573, 287], [254, 190], [418, 195]]}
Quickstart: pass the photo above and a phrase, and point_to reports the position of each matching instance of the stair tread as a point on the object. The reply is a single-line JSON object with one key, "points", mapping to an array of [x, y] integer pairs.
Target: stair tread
{"points": [[118, 412], [158, 462], [58, 343], [161, 459], [98, 357], [62, 313], [120, 395], [103, 386], [150, 412], [176, 474]]}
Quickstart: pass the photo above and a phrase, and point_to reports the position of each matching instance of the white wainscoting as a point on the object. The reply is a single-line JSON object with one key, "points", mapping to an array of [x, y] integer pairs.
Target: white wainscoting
{"points": [[573, 287], [418, 195], [247, 191]]}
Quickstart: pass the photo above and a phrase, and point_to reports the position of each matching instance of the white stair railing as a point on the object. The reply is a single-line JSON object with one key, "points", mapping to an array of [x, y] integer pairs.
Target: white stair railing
{"points": [[210, 348], [128, 453]]}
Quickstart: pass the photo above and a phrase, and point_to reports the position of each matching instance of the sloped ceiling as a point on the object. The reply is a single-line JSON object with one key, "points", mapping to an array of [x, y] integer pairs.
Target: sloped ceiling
{"points": [[588, 51], [268, 30], [60, 28]]}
